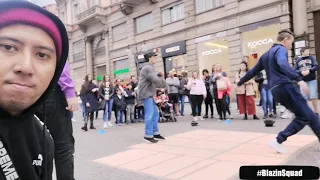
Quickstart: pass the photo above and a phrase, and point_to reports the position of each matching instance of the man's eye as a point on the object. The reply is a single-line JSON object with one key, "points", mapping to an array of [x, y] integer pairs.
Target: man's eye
{"points": [[8, 48], [42, 55]]}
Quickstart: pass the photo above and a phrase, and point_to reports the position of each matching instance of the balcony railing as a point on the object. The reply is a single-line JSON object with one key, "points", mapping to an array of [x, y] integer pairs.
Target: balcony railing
{"points": [[99, 51], [78, 56], [93, 11], [133, 2]]}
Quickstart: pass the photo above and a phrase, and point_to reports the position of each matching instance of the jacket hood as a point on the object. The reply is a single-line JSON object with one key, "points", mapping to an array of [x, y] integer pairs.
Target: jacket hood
{"points": [[7, 5]]}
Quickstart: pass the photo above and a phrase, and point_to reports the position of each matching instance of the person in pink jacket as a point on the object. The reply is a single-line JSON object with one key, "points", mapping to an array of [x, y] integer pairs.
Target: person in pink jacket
{"points": [[224, 89], [198, 93]]}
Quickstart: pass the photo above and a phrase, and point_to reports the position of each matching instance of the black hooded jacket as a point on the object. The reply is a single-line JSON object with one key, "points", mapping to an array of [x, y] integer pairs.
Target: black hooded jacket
{"points": [[26, 147]]}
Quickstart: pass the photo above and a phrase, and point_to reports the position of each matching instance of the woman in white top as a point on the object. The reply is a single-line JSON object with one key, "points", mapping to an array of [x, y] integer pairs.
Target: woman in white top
{"points": [[198, 93]]}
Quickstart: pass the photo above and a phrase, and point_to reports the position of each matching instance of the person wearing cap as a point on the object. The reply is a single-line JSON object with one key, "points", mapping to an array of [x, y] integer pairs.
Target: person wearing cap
{"points": [[149, 80], [33, 52]]}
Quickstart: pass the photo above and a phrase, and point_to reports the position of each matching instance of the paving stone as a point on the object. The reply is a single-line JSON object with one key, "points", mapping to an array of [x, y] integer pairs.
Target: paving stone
{"points": [[91, 145]]}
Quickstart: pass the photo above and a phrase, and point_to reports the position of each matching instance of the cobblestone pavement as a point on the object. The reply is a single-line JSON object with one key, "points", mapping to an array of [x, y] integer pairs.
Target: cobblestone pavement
{"points": [[91, 145]]}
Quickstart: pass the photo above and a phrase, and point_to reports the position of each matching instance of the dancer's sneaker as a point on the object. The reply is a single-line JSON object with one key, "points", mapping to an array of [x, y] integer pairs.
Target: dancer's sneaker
{"points": [[105, 125], [200, 118], [73, 120], [150, 140], [110, 124], [158, 137], [278, 147]]}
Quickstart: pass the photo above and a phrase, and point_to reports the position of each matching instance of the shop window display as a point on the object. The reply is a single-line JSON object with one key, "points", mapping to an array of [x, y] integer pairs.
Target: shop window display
{"points": [[213, 52], [175, 63]]}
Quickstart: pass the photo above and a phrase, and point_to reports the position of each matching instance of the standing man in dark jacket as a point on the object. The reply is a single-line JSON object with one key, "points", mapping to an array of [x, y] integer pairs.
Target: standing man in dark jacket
{"points": [[307, 67], [148, 82], [58, 108], [33, 51], [283, 81], [182, 91]]}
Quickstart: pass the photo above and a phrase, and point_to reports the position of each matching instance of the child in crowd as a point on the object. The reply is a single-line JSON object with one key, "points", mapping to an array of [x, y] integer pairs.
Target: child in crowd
{"points": [[130, 102], [120, 104], [163, 100]]}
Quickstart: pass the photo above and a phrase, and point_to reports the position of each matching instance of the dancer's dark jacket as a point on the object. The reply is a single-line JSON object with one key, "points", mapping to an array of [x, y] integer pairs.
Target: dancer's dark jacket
{"points": [[278, 69], [24, 137]]}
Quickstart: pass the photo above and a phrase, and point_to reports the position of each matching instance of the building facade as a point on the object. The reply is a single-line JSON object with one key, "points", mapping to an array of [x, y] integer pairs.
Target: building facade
{"points": [[111, 36], [52, 8]]}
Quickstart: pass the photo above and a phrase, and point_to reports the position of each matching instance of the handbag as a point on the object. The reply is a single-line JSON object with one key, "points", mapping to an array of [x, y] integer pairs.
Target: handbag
{"points": [[221, 85], [102, 104]]}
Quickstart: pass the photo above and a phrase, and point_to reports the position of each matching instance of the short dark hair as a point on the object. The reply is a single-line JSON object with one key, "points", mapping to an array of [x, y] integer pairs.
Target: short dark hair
{"points": [[302, 50], [283, 34], [132, 76], [205, 71], [246, 64]]}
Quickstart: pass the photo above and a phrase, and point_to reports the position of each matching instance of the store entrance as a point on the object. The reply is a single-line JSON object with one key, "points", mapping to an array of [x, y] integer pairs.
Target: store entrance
{"points": [[175, 63], [316, 19]]}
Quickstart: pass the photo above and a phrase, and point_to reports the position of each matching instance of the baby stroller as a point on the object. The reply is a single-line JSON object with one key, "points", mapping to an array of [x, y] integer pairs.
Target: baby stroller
{"points": [[166, 111]]}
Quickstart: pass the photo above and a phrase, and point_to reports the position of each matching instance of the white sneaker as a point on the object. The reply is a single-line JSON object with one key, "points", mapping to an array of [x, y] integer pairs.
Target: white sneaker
{"points": [[286, 115], [195, 118], [73, 120], [109, 124], [278, 147], [105, 125], [200, 118], [230, 117]]}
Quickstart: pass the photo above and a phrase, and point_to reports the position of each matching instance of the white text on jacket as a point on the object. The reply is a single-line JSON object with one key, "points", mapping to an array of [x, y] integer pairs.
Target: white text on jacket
{"points": [[6, 164]]}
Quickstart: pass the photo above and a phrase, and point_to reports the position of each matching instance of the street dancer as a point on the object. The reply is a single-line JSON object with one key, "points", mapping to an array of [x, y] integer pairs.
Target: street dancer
{"points": [[283, 81], [148, 82]]}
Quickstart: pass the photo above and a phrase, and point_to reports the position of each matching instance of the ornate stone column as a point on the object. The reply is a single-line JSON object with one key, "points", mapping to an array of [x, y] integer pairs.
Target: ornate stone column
{"points": [[105, 35], [299, 11], [89, 63]]}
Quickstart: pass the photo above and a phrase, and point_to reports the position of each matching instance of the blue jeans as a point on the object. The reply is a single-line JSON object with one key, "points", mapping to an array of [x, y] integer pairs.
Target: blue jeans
{"points": [[108, 110], [119, 117], [290, 97], [182, 99], [83, 110], [313, 90], [151, 117], [267, 100]]}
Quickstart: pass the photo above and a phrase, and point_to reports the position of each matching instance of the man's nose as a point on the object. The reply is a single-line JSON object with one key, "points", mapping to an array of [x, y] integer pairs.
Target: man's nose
{"points": [[24, 65]]}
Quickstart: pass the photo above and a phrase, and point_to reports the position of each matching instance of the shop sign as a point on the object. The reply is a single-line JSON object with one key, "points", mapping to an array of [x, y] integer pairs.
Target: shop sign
{"points": [[253, 44], [121, 71], [174, 49], [211, 52]]}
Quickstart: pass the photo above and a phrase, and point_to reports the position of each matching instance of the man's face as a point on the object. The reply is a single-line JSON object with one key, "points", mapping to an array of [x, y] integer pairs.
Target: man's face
{"points": [[306, 52], [288, 42], [133, 79], [152, 59], [171, 74], [28, 62]]}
